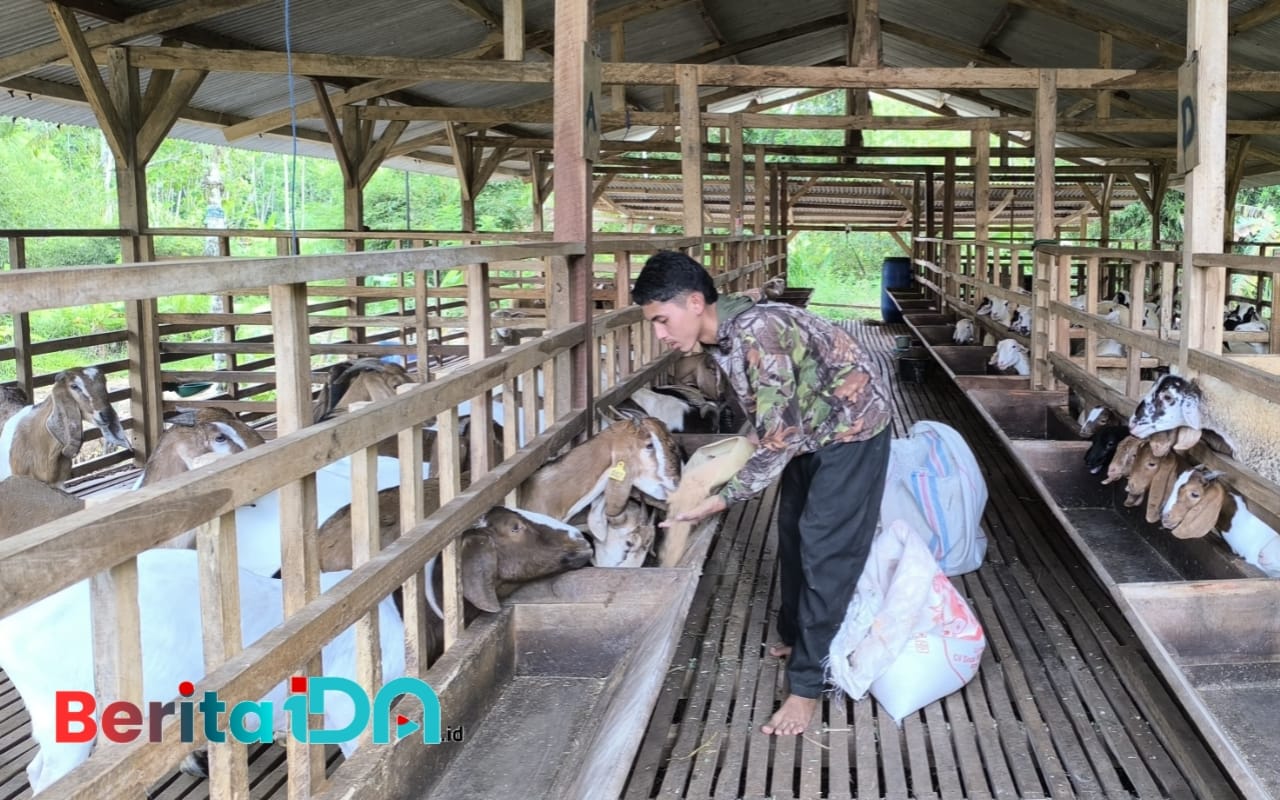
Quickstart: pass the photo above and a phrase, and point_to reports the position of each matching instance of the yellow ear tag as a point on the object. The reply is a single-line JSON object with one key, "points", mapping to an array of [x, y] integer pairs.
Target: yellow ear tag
{"points": [[619, 472]]}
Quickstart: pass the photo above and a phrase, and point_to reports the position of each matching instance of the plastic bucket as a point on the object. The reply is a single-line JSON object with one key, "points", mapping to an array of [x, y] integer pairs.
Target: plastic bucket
{"points": [[895, 273]]}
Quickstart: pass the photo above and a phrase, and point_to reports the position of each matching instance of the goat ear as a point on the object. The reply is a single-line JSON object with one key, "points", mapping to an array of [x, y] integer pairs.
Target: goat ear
{"points": [[1160, 442], [1161, 484], [480, 571], [617, 489], [1186, 438], [1204, 515], [186, 419], [64, 418]]}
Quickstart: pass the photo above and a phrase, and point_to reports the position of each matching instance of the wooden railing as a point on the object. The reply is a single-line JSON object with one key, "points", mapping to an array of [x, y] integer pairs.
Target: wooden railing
{"points": [[102, 542], [962, 272]]}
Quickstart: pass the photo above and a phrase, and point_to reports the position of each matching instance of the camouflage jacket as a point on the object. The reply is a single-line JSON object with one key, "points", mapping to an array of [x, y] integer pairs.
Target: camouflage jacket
{"points": [[805, 382]]}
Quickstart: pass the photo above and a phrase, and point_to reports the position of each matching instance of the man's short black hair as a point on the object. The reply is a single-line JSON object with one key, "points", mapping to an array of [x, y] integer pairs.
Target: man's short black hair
{"points": [[669, 274]]}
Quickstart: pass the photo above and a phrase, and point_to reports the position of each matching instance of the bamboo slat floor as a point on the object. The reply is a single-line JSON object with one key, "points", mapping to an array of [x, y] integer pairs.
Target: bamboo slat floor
{"points": [[1065, 703]]}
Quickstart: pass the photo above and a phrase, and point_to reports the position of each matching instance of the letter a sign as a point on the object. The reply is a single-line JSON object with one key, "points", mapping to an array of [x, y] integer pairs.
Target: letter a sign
{"points": [[590, 104], [1188, 135]]}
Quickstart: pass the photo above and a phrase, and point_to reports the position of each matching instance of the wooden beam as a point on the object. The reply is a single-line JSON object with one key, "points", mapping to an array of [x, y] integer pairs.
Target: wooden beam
{"points": [[1237, 150], [146, 23], [376, 154], [601, 186], [981, 139], [513, 30], [618, 53], [341, 153], [1091, 197], [95, 90], [461, 159], [737, 177], [159, 120], [867, 48], [477, 10], [1099, 23], [260, 61], [1106, 47], [996, 28], [1252, 19], [486, 168], [1141, 190]]}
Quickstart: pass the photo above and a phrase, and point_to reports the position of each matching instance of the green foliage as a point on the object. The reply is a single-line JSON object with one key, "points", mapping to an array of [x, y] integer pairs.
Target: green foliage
{"points": [[842, 268]]}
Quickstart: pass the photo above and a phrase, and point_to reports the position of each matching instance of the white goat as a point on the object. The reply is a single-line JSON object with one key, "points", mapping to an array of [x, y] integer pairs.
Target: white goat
{"points": [[1021, 320], [681, 408], [41, 440], [623, 540], [1200, 500], [965, 332], [47, 648], [1010, 354]]}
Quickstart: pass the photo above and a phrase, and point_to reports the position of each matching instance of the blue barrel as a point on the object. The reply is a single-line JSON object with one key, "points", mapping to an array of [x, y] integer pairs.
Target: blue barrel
{"points": [[895, 273]]}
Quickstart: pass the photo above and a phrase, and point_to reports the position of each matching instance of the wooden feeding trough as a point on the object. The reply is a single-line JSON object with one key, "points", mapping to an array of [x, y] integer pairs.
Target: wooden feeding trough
{"points": [[571, 666], [1218, 645], [795, 295]]}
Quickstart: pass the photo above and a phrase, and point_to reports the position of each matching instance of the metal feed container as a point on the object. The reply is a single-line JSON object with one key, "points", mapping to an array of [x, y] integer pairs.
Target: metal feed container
{"points": [[914, 365]]}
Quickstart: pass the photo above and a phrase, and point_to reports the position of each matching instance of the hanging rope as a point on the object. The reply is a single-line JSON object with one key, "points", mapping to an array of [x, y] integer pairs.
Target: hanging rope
{"points": [[293, 129]]}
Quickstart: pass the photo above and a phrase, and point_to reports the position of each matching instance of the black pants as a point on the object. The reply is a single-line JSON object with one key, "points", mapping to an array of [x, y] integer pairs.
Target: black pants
{"points": [[827, 516]]}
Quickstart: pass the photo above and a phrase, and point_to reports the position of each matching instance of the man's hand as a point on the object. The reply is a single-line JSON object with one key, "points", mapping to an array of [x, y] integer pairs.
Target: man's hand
{"points": [[712, 505]]}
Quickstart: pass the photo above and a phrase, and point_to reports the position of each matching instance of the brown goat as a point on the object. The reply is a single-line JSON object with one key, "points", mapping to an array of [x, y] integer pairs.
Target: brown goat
{"points": [[42, 441], [193, 434], [1152, 475], [27, 503]]}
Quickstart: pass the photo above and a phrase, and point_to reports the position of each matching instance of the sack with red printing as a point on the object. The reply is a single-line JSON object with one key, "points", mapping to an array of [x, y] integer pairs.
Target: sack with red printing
{"points": [[908, 635]]}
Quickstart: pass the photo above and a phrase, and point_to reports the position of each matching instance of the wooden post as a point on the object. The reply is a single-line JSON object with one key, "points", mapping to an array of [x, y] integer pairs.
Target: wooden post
{"points": [[479, 348], [691, 149], [1044, 286], [538, 179], [949, 285], [981, 139], [759, 191], [513, 30], [22, 325], [299, 558], [1204, 290], [737, 176], [569, 279]]}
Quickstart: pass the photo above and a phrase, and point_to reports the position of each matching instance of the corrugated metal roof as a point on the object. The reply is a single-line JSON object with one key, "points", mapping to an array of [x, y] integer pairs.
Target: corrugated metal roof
{"points": [[676, 32]]}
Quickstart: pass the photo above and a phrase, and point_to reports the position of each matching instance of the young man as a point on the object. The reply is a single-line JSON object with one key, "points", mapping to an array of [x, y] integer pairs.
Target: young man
{"points": [[822, 417]]}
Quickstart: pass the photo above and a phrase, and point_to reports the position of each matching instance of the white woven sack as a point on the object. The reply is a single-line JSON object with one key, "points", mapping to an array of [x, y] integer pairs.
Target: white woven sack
{"points": [[908, 636]]}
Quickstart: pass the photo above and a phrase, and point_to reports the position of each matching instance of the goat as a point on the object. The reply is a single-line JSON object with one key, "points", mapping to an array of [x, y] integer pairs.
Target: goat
{"points": [[27, 503], [194, 434], [774, 287], [997, 309], [984, 307], [1199, 500], [1094, 418], [623, 540], [361, 380], [1105, 442], [1172, 403], [1122, 460], [41, 440], [47, 648], [506, 336], [700, 372], [1010, 354], [504, 548], [965, 332], [12, 400], [681, 408], [1154, 476], [1021, 320], [628, 453]]}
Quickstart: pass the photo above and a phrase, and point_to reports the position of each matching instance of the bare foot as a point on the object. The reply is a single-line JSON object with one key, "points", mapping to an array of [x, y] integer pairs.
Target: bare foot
{"points": [[779, 650], [792, 718]]}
